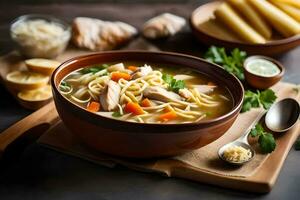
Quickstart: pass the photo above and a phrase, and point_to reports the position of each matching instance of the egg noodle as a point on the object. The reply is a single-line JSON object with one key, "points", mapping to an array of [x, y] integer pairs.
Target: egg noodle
{"points": [[91, 85], [237, 154]]}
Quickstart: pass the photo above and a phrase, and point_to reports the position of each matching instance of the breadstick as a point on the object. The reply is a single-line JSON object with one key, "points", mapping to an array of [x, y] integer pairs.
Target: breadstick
{"points": [[282, 22], [287, 8], [232, 20], [216, 29], [295, 3], [253, 17]]}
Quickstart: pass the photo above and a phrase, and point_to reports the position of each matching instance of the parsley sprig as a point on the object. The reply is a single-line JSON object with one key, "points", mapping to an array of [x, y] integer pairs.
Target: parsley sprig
{"points": [[257, 99], [64, 84], [93, 69], [232, 62], [266, 140], [116, 114], [174, 84]]}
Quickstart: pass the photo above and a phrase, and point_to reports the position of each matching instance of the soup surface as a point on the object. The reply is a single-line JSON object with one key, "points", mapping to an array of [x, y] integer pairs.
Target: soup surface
{"points": [[146, 93]]}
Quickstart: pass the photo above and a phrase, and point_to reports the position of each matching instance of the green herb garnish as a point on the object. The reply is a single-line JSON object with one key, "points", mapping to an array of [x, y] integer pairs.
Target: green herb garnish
{"points": [[174, 85], [232, 63], [64, 84], [167, 78], [266, 140], [257, 99], [93, 69], [208, 114], [116, 114]]}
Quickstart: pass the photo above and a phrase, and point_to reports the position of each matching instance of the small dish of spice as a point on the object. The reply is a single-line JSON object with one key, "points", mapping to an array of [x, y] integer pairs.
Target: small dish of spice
{"points": [[262, 72]]}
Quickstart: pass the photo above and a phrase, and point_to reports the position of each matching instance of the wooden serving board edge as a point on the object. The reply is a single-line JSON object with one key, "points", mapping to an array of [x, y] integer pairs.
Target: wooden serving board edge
{"points": [[261, 182]]}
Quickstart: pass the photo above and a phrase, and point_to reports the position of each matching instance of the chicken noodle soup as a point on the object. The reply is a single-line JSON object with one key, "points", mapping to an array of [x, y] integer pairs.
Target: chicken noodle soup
{"points": [[146, 93]]}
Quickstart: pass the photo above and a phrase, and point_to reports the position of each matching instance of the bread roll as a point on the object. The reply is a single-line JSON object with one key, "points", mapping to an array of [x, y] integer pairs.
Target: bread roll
{"points": [[282, 22], [98, 35], [253, 17], [231, 19], [162, 26], [288, 9]]}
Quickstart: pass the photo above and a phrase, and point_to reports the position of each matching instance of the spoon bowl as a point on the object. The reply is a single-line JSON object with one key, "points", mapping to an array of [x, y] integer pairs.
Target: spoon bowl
{"points": [[232, 144], [283, 115]]}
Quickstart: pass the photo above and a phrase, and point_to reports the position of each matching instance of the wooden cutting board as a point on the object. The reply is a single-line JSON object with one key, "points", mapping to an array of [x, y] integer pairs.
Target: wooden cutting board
{"points": [[57, 137], [14, 61], [60, 139]]}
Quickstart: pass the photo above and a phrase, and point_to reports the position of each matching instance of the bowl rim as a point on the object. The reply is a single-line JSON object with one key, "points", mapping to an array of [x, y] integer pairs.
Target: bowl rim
{"points": [[236, 107], [267, 44]]}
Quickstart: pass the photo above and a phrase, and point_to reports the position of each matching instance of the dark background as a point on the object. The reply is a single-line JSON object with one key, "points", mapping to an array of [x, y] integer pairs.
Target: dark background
{"points": [[39, 173], [97, 1]]}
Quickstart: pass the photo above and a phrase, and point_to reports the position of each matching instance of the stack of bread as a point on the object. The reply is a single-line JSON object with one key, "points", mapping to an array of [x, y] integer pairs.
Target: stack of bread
{"points": [[32, 84]]}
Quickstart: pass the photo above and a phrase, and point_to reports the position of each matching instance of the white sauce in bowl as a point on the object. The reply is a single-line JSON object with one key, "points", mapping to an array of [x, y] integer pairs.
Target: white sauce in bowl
{"points": [[262, 67]]}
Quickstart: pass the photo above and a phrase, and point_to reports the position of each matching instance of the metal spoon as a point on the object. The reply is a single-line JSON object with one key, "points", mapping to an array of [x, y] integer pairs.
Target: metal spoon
{"points": [[241, 141], [281, 117]]}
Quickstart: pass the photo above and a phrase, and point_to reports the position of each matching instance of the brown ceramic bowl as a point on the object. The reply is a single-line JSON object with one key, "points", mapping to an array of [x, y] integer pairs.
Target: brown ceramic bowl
{"points": [[137, 140], [205, 12], [261, 82]]}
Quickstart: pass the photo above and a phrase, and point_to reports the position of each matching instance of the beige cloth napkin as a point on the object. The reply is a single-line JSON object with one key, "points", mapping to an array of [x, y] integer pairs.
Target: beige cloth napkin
{"points": [[204, 159]]}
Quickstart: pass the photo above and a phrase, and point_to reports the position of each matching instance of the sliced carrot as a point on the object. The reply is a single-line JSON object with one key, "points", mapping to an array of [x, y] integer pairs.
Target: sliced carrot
{"points": [[132, 68], [168, 116], [93, 106], [134, 108], [146, 103], [115, 76]]}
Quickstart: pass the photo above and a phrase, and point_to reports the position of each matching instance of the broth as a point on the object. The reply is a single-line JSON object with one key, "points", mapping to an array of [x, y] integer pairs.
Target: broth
{"points": [[146, 93]]}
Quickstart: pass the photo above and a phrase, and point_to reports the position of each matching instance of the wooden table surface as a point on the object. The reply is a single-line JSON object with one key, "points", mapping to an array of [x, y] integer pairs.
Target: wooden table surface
{"points": [[39, 173]]}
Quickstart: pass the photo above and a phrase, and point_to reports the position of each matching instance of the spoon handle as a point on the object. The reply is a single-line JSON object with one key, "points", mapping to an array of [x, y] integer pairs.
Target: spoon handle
{"points": [[244, 137]]}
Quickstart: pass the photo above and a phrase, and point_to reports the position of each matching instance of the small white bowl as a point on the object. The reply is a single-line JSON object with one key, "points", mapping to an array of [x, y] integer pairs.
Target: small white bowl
{"points": [[46, 47]]}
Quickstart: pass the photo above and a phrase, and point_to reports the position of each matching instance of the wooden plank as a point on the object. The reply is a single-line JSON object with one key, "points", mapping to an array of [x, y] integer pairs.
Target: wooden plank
{"points": [[60, 139], [262, 181], [46, 115]]}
